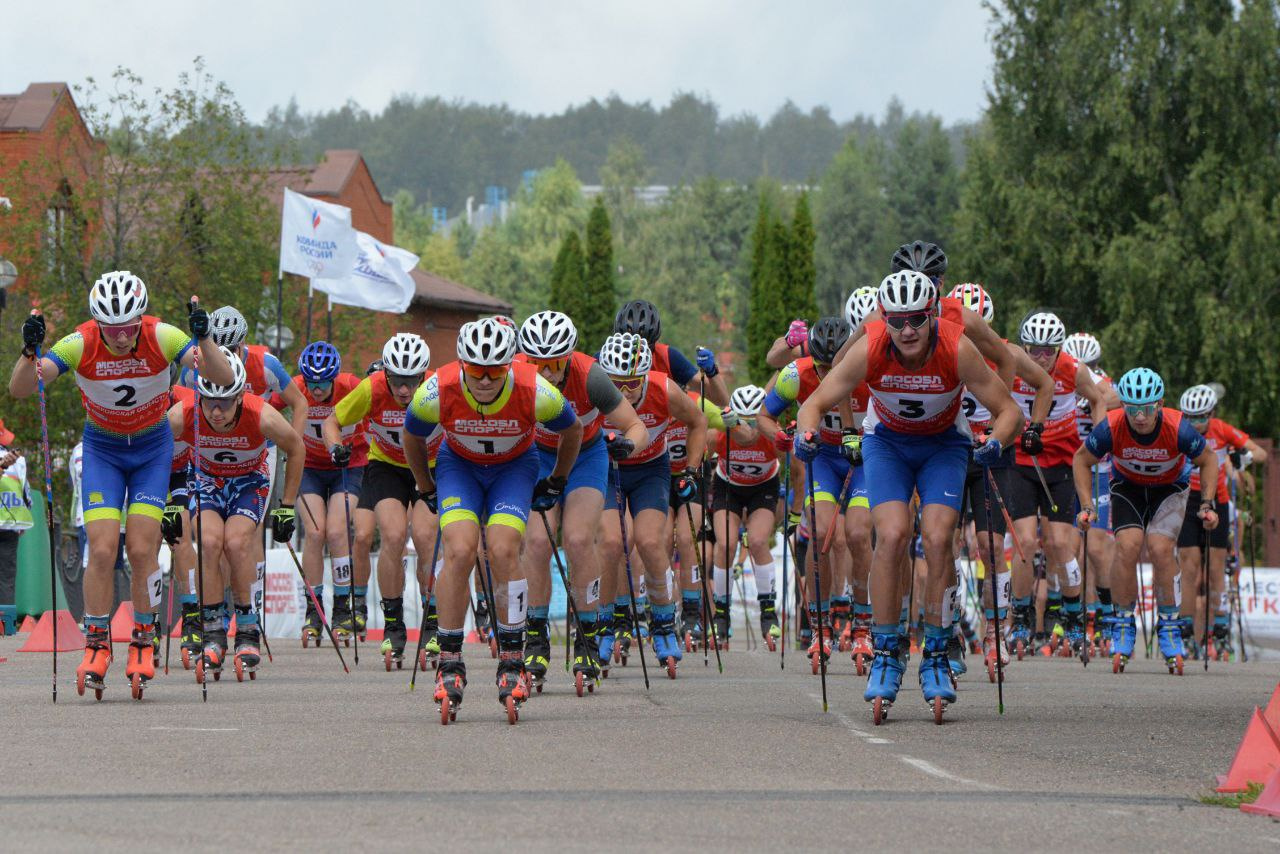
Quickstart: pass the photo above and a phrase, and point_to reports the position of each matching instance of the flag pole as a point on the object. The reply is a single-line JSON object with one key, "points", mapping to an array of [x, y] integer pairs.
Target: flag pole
{"points": [[328, 320], [310, 297], [279, 308]]}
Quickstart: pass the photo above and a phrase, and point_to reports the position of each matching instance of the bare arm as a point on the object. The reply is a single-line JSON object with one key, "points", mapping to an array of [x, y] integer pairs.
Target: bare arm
{"points": [[275, 428], [415, 454], [1036, 377], [331, 431], [1088, 389], [1006, 417], [176, 422], [684, 410], [1082, 473], [715, 389], [990, 345], [22, 382], [623, 417], [213, 364], [780, 355], [1208, 463], [1259, 455], [297, 403]]}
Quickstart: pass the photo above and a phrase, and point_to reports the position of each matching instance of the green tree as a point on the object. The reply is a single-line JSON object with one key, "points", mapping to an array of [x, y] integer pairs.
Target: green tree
{"points": [[769, 250], [857, 230], [599, 292], [568, 278], [800, 298]]}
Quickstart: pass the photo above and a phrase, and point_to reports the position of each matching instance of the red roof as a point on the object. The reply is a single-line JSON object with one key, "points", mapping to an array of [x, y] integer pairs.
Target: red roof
{"points": [[31, 109], [439, 292]]}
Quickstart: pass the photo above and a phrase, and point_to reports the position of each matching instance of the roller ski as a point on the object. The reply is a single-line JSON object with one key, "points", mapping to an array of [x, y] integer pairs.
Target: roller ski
{"points": [[722, 624], [862, 652], [990, 652], [586, 667], [841, 628], [343, 624], [451, 678], [1124, 634], [955, 657], [1221, 641], [361, 618], [1019, 630], [247, 655], [1073, 640], [313, 628], [140, 668], [770, 630], [214, 653], [885, 678], [92, 672], [394, 634], [819, 647], [935, 677], [665, 646], [484, 626], [621, 634], [513, 689], [605, 642], [431, 646], [691, 626], [537, 652], [192, 642], [1169, 636]]}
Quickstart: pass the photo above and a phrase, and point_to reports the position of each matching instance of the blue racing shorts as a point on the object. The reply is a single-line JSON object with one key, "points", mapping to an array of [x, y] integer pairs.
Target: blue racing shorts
{"points": [[244, 495], [646, 486], [328, 482], [590, 471], [897, 464], [116, 467], [828, 470], [501, 493]]}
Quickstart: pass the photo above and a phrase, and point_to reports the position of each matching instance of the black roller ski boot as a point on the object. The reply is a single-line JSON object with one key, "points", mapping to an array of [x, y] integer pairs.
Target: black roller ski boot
{"points": [[513, 688], [342, 624], [770, 630], [394, 634], [313, 627], [586, 662], [451, 678], [247, 655], [214, 651], [192, 642], [537, 651]]}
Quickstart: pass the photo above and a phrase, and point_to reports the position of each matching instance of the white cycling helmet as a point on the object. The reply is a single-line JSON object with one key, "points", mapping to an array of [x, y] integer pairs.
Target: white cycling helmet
{"points": [[228, 327], [488, 341], [118, 297], [406, 354], [747, 400], [975, 298], [221, 392], [1043, 329], [548, 335], [626, 354], [1083, 346], [859, 304], [1198, 400], [906, 291]]}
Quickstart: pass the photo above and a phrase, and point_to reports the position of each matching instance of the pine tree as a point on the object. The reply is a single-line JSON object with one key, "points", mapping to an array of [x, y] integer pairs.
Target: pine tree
{"points": [[567, 277], [769, 246], [595, 318], [801, 298]]}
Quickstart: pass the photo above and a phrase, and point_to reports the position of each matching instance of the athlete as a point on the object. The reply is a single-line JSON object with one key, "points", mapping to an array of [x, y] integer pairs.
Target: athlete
{"points": [[1197, 405], [1040, 482], [838, 481], [120, 359], [547, 340], [1100, 542], [487, 407], [641, 318], [916, 440], [642, 482], [388, 499], [745, 494], [1037, 387], [328, 494], [789, 346], [175, 527], [230, 457], [687, 520], [1149, 446]]}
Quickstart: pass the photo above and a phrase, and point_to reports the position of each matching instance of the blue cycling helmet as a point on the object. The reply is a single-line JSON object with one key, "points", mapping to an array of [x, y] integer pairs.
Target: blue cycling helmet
{"points": [[1140, 385], [319, 362]]}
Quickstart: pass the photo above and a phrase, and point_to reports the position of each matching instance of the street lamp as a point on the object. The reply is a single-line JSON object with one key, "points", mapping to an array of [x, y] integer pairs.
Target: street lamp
{"points": [[278, 337]]}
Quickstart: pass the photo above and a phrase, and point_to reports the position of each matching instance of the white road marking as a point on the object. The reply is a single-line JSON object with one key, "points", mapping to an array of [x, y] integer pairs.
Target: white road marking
{"points": [[934, 771], [196, 729]]}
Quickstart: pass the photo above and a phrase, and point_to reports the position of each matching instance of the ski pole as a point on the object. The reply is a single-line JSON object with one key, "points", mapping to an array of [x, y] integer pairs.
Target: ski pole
{"points": [[786, 508], [1084, 598], [196, 414], [702, 576], [817, 585], [1142, 610], [994, 584], [1204, 577], [1008, 520], [564, 579], [844, 494], [431, 583], [626, 556], [324, 621], [48, 508], [730, 543], [490, 594], [351, 591], [1035, 461], [168, 632], [261, 604]]}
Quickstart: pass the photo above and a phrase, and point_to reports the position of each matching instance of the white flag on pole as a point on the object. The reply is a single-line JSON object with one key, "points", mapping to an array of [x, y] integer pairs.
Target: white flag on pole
{"points": [[378, 279], [316, 238]]}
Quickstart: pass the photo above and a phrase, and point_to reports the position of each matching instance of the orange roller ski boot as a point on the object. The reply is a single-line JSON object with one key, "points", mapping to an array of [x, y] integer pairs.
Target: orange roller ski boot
{"points": [[141, 666], [92, 672], [513, 688]]}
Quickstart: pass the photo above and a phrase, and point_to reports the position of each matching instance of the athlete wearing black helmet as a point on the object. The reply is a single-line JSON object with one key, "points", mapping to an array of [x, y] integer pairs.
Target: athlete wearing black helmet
{"points": [[641, 317]]}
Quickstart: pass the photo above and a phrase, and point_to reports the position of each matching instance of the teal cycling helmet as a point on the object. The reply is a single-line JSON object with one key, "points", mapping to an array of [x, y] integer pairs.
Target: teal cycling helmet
{"points": [[1139, 386]]}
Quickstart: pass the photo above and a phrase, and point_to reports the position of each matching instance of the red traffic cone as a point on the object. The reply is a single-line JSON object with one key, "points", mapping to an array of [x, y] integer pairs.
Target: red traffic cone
{"points": [[1272, 712], [28, 624], [1268, 802], [1257, 757], [70, 637], [122, 623]]}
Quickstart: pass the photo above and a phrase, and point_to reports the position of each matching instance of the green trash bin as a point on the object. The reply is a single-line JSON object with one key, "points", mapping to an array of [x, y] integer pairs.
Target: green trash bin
{"points": [[32, 594]]}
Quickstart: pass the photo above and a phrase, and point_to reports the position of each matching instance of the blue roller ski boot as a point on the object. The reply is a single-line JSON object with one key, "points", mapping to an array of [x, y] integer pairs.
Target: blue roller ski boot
{"points": [[1169, 635], [662, 628], [885, 677], [935, 673], [604, 642], [1124, 634]]}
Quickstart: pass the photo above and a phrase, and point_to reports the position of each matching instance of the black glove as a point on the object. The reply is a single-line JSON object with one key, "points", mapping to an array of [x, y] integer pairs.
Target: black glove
{"points": [[33, 331], [1031, 442], [429, 498], [547, 492], [686, 489], [283, 520], [851, 447], [171, 524], [198, 323], [619, 447], [341, 455]]}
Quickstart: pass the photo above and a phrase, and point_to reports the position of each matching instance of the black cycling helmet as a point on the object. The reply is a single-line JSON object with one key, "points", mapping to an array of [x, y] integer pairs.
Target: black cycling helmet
{"points": [[641, 318], [374, 367], [927, 258], [827, 337]]}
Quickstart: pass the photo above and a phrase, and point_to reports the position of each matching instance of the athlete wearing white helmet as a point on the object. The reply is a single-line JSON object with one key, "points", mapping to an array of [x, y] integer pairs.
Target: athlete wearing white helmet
{"points": [[906, 292], [859, 305], [406, 355], [486, 342], [1084, 347], [121, 361], [975, 298], [1042, 329], [228, 327], [547, 341]]}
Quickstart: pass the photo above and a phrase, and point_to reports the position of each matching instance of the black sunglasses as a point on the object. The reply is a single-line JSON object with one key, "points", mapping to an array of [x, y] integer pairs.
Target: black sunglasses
{"points": [[915, 321]]}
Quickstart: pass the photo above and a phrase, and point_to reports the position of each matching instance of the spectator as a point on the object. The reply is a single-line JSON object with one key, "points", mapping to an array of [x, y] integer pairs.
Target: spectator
{"points": [[15, 517]]}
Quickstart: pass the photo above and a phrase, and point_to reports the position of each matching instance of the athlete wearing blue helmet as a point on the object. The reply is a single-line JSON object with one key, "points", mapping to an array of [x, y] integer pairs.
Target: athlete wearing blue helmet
{"points": [[319, 362]]}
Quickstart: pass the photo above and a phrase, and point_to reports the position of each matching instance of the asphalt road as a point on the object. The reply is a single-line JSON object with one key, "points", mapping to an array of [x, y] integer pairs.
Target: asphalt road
{"points": [[309, 758]]}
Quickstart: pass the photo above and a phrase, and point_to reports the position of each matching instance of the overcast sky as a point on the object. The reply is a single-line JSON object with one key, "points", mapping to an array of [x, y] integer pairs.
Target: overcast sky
{"points": [[747, 55]]}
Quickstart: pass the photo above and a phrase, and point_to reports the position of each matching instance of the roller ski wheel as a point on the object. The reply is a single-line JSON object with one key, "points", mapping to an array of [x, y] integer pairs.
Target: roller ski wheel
{"points": [[493, 647], [512, 682], [579, 681], [140, 666], [671, 666], [880, 710], [310, 636], [92, 672], [1118, 662], [771, 643], [991, 670], [241, 670], [1175, 665], [1021, 648], [389, 658], [136, 685], [186, 659], [451, 679], [689, 644], [939, 706]]}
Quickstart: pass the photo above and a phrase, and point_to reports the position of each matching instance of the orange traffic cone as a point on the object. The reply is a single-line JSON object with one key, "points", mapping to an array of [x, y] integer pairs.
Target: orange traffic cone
{"points": [[1268, 802], [70, 637], [28, 624], [1257, 757], [1272, 712], [122, 623]]}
